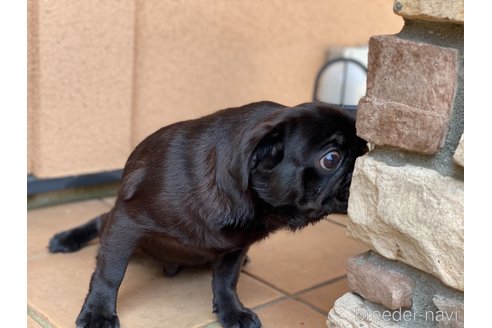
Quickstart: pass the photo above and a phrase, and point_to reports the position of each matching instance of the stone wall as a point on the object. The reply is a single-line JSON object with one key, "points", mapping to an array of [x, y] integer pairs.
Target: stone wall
{"points": [[406, 198]]}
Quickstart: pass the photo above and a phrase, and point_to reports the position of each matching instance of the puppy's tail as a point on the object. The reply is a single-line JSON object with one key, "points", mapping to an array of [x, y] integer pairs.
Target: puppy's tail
{"points": [[74, 239]]}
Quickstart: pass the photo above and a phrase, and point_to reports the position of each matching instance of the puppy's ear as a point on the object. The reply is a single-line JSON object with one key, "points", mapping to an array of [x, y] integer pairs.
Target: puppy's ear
{"points": [[261, 149], [269, 151]]}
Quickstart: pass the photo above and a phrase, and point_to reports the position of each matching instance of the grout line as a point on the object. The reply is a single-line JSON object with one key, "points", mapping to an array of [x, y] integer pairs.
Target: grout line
{"points": [[270, 303], [215, 324], [312, 307], [285, 293], [39, 318], [331, 281], [278, 289], [285, 296], [295, 296]]}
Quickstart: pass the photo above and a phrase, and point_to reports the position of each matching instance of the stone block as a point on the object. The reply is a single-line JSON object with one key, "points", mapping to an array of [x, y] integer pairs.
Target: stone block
{"points": [[395, 124], [431, 10], [433, 303], [410, 93], [351, 311], [459, 154], [411, 214], [451, 312], [378, 283]]}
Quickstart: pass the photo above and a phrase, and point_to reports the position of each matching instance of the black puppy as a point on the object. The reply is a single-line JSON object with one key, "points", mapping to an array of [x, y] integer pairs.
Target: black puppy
{"points": [[202, 191]]}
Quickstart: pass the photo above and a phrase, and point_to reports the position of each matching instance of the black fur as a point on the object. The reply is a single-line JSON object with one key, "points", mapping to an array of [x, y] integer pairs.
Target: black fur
{"points": [[202, 191]]}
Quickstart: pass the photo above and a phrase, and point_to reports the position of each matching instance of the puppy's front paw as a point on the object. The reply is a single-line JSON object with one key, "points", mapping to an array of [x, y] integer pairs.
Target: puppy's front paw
{"points": [[240, 318], [89, 319]]}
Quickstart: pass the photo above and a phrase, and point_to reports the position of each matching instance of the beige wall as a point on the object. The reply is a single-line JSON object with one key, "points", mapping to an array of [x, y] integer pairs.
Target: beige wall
{"points": [[104, 74]]}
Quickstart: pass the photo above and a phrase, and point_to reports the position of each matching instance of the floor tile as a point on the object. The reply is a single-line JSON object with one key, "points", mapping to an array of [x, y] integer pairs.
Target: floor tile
{"points": [[290, 314], [57, 285], [43, 223], [109, 200], [296, 261], [292, 262], [254, 293], [325, 296], [286, 313], [339, 218]]}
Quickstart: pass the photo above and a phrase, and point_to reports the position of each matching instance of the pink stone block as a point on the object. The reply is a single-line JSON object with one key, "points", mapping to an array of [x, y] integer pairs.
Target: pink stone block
{"points": [[410, 93], [379, 284]]}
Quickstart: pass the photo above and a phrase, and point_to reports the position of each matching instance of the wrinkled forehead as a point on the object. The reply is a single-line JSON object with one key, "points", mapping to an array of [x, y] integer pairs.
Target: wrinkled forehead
{"points": [[315, 132], [307, 141]]}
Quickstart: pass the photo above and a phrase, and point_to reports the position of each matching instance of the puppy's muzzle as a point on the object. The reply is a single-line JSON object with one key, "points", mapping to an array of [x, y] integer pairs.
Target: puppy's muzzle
{"points": [[344, 189]]}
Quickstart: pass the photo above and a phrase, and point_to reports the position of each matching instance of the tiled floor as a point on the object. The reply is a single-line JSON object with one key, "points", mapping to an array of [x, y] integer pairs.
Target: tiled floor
{"points": [[291, 281]]}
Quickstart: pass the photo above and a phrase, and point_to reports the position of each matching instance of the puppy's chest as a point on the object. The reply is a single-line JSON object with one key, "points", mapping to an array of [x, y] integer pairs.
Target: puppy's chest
{"points": [[240, 237]]}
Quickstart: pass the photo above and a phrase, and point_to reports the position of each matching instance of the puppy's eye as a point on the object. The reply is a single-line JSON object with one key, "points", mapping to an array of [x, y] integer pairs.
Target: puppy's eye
{"points": [[330, 161]]}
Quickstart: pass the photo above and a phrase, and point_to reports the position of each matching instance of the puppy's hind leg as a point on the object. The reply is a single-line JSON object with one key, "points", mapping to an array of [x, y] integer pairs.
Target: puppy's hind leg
{"points": [[74, 239], [230, 311], [118, 240]]}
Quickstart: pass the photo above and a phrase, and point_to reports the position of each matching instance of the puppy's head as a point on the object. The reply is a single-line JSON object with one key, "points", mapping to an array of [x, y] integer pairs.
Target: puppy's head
{"points": [[303, 162]]}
